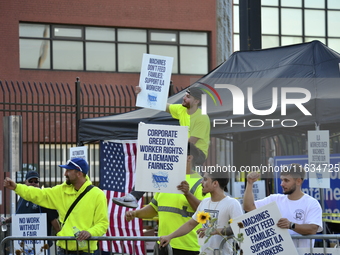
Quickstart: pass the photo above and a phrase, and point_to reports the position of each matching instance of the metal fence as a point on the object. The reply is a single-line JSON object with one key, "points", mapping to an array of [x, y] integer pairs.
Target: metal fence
{"points": [[7, 245], [328, 243], [50, 114]]}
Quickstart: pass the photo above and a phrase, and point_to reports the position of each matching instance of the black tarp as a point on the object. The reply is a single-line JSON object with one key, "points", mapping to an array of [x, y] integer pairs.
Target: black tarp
{"points": [[311, 66]]}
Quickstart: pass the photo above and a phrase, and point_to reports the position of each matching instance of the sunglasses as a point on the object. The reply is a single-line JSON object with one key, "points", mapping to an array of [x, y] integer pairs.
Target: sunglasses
{"points": [[71, 162], [31, 181]]}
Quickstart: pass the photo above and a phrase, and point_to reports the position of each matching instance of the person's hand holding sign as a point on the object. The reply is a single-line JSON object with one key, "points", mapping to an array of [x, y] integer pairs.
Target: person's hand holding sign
{"points": [[138, 89], [284, 223], [184, 187]]}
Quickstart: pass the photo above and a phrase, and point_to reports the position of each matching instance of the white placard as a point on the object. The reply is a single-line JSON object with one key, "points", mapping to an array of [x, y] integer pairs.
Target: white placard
{"points": [[318, 251], [261, 235], [78, 152], [161, 157], [29, 224], [259, 190], [154, 81], [318, 159]]}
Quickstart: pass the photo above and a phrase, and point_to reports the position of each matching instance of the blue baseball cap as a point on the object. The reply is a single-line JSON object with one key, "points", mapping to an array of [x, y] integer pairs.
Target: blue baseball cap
{"points": [[79, 164]]}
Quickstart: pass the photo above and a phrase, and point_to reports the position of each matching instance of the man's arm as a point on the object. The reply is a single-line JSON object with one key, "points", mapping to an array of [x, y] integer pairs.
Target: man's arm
{"points": [[183, 230], [99, 218], [248, 197], [303, 229], [192, 200], [46, 197], [9, 184], [225, 231], [167, 108], [55, 224], [193, 139], [147, 212]]}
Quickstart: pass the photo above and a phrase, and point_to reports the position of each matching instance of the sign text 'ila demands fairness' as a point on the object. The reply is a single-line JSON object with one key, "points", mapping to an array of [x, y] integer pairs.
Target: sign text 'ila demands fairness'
{"points": [[161, 157], [261, 235], [154, 81]]}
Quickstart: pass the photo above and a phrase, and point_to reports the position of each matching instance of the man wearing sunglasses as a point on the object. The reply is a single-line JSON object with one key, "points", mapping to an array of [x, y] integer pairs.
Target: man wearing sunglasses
{"points": [[89, 215], [24, 206]]}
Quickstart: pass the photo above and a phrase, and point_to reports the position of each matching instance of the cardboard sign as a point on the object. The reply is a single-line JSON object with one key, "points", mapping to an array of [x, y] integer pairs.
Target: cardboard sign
{"points": [[161, 157], [154, 81], [259, 190], [261, 235], [318, 166], [30, 224], [78, 152]]}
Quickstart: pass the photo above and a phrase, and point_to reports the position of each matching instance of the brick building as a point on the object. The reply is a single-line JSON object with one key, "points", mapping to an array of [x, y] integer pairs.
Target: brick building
{"points": [[102, 42]]}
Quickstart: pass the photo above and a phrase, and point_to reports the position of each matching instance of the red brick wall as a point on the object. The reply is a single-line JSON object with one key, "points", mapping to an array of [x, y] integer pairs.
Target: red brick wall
{"points": [[199, 15]]}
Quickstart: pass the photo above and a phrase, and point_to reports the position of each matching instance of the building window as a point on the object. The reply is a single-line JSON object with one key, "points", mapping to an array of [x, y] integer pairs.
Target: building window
{"points": [[286, 22], [60, 47]]}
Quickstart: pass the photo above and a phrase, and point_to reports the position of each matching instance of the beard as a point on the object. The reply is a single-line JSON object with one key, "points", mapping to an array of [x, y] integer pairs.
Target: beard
{"points": [[68, 182], [185, 105], [291, 191]]}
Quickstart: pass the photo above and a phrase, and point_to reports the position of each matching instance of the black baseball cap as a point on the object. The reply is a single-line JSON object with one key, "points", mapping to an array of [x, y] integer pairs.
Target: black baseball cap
{"points": [[32, 175], [195, 92]]}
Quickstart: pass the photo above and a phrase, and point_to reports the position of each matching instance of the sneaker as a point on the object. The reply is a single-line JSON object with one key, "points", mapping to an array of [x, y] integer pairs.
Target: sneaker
{"points": [[128, 201]]}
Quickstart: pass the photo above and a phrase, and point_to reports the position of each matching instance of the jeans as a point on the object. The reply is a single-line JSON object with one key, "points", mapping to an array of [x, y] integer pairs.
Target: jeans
{"points": [[64, 252], [164, 251]]}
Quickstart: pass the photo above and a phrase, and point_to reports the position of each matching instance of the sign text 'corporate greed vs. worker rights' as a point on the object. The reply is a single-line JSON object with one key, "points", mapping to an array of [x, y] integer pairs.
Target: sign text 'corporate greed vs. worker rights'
{"points": [[154, 81], [161, 157], [261, 235]]}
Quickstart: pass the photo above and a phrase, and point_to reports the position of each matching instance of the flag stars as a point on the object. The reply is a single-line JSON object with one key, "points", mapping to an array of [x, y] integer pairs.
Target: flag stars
{"points": [[113, 167]]}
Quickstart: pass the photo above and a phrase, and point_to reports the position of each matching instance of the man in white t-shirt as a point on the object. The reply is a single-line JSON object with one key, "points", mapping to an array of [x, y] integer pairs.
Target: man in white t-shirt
{"points": [[219, 206], [301, 213]]}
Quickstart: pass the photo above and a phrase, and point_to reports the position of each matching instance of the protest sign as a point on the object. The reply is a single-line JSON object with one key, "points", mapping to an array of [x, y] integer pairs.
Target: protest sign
{"points": [[161, 157], [30, 224], [259, 190], [78, 152], [154, 81], [318, 167], [261, 235]]}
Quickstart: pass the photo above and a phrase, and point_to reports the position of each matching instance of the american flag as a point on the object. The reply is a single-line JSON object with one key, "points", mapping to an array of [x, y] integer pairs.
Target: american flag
{"points": [[117, 168]]}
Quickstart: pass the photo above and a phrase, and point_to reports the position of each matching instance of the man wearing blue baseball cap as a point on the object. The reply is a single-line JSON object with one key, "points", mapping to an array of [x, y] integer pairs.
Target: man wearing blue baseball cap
{"points": [[89, 215]]}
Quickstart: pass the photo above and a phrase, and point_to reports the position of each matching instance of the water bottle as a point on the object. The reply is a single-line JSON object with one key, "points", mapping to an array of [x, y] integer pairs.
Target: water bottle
{"points": [[76, 231], [3, 224]]}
